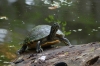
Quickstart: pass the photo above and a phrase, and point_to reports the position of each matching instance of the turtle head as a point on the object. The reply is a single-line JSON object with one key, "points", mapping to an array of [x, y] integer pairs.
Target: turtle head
{"points": [[54, 29]]}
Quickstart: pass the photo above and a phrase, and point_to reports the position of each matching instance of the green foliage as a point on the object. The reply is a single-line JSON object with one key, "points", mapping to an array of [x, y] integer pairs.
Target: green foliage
{"points": [[63, 24], [50, 19]]}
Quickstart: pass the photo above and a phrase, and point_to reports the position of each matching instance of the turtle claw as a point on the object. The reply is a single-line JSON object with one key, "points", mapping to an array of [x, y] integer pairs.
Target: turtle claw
{"points": [[39, 50]]}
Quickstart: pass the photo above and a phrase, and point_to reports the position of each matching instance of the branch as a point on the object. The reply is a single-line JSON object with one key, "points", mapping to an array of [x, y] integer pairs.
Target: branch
{"points": [[76, 55]]}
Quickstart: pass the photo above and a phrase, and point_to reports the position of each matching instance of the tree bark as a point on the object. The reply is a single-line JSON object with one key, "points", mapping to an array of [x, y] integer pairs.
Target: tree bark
{"points": [[76, 55]]}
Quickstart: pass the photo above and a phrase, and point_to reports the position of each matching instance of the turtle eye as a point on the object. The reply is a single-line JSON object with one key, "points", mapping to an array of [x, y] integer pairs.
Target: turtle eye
{"points": [[56, 25]]}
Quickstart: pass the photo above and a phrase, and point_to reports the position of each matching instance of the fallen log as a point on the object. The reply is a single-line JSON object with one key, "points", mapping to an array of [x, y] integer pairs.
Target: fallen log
{"points": [[76, 55]]}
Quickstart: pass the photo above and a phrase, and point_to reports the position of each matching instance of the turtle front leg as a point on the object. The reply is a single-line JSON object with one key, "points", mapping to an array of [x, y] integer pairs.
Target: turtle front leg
{"points": [[23, 48], [65, 40], [38, 47]]}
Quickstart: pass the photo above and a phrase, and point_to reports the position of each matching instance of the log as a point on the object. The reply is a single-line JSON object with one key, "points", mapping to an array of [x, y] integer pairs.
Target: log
{"points": [[75, 55]]}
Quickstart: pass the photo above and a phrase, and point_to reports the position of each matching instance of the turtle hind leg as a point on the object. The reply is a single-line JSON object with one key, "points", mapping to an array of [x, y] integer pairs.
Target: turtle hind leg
{"points": [[22, 50], [38, 47], [65, 40]]}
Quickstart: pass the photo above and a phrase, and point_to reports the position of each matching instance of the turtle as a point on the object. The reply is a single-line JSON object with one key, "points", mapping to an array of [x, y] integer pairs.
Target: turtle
{"points": [[43, 35]]}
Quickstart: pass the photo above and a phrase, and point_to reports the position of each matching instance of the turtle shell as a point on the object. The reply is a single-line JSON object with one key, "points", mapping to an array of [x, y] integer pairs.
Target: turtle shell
{"points": [[41, 31]]}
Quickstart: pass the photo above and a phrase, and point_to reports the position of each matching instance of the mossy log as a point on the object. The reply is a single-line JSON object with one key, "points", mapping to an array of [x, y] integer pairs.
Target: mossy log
{"points": [[76, 55]]}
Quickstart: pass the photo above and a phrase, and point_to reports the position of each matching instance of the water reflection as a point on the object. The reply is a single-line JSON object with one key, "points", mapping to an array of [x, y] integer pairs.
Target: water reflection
{"points": [[11, 1], [30, 2], [3, 33], [4, 17]]}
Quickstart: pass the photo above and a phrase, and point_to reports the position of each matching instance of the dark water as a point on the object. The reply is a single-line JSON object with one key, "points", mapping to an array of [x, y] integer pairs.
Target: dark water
{"points": [[18, 17]]}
